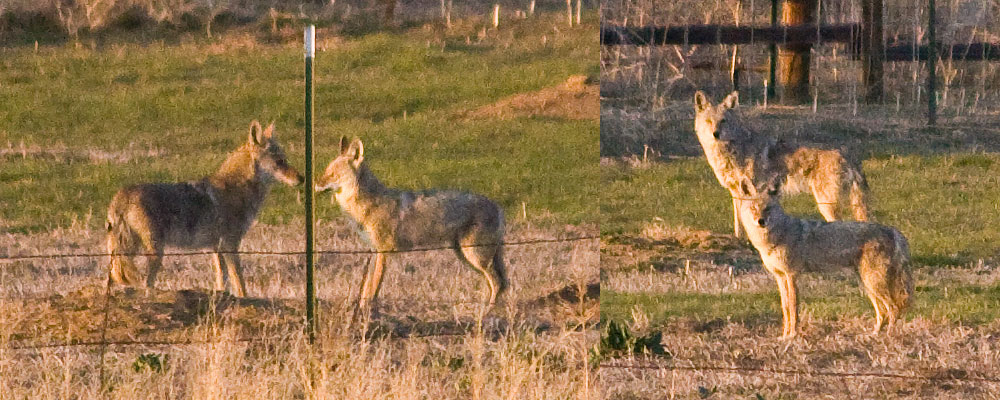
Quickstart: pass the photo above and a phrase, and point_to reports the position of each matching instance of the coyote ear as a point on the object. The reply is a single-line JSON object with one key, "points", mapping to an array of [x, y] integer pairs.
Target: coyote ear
{"points": [[256, 133], [343, 144], [269, 131], [701, 102], [732, 100], [357, 152]]}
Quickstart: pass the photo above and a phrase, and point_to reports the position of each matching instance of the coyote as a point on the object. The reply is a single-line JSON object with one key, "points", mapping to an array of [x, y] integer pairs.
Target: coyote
{"points": [[394, 220], [214, 212], [733, 151], [789, 245]]}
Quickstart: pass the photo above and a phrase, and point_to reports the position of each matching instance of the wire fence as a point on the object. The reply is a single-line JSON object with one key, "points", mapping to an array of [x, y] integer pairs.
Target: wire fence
{"points": [[15, 257], [104, 342], [948, 375]]}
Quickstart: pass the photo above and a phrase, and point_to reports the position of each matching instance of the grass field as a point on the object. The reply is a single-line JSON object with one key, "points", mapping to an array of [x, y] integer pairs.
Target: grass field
{"points": [[88, 119], [435, 109]]}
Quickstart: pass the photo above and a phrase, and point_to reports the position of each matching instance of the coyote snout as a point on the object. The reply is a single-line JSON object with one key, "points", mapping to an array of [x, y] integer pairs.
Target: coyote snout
{"points": [[214, 212], [393, 220]]}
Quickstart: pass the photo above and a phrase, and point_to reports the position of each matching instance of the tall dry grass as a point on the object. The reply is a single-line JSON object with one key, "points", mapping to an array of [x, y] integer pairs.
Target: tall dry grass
{"points": [[429, 342]]}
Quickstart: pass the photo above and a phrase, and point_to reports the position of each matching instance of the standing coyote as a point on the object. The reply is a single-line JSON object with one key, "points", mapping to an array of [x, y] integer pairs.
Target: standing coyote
{"points": [[734, 151], [214, 212], [394, 220], [788, 245]]}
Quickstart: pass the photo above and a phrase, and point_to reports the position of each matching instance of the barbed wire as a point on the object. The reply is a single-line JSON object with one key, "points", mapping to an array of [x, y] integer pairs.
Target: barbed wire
{"points": [[785, 371], [9, 258]]}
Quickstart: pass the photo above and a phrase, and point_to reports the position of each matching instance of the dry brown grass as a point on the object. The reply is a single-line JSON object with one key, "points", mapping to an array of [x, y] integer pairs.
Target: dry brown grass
{"points": [[533, 347], [577, 98]]}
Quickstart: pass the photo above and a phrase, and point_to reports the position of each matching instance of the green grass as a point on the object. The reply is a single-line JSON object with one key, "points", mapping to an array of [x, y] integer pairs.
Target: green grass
{"points": [[946, 205], [967, 305], [195, 102]]}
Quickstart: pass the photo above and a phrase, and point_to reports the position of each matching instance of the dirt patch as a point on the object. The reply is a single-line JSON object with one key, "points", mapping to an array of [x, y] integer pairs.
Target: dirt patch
{"points": [[164, 315], [577, 98], [671, 248], [132, 315]]}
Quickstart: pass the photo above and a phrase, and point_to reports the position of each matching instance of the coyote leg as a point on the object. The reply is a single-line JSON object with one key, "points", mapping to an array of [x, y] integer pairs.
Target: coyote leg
{"points": [[220, 276], [480, 258], [736, 219], [235, 270], [370, 285], [789, 303], [153, 265], [826, 199]]}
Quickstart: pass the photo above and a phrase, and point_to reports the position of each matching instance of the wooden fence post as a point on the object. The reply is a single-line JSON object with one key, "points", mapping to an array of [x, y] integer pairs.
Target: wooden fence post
{"points": [[793, 59], [872, 50], [931, 66], [773, 65]]}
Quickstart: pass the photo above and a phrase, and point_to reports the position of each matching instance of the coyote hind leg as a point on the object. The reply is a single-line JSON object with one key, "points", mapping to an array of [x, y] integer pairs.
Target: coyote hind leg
{"points": [[827, 198], [482, 259]]}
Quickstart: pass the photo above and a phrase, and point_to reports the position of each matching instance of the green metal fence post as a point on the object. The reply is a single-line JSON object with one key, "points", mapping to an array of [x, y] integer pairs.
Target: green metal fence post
{"points": [[310, 44]]}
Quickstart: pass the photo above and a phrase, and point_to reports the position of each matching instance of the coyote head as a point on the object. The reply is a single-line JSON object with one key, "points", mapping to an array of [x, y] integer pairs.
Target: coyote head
{"points": [[719, 121], [760, 203], [342, 174], [268, 157]]}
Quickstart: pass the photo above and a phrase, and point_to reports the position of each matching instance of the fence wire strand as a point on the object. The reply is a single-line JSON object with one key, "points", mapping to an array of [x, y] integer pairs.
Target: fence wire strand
{"points": [[23, 257]]}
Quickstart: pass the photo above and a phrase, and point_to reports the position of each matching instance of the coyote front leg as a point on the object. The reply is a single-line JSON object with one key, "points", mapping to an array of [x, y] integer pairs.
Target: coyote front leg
{"points": [[370, 286], [789, 303], [737, 225], [226, 256]]}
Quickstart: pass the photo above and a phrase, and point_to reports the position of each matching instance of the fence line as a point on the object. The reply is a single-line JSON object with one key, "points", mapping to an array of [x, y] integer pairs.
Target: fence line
{"points": [[293, 253], [104, 343], [956, 376]]}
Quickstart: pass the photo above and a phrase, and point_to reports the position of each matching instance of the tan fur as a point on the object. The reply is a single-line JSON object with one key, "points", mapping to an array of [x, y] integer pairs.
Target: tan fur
{"points": [[214, 212], [789, 246], [393, 220], [734, 151]]}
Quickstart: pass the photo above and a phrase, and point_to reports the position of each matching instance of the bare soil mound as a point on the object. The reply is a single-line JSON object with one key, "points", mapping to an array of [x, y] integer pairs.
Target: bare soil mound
{"points": [[78, 317], [182, 316], [577, 98]]}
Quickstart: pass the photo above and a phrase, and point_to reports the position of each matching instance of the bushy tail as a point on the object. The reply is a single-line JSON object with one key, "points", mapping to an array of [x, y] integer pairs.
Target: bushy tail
{"points": [[858, 192], [901, 279], [119, 240]]}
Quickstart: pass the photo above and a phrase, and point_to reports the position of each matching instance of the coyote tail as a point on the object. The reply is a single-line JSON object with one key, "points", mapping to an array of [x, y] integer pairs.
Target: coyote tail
{"points": [[858, 192], [902, 278], [122, 269]]}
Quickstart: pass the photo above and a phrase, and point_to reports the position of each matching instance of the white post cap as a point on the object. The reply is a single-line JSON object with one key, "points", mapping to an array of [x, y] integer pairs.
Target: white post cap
{"points": [[310, 39]]}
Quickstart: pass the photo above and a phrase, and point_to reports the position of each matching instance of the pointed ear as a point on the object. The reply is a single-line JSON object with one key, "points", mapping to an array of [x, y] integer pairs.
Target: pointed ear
{"points": [[255, 133], [701, 102], [269, 131], [732, 100], [343, 144], [356, 152]]}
